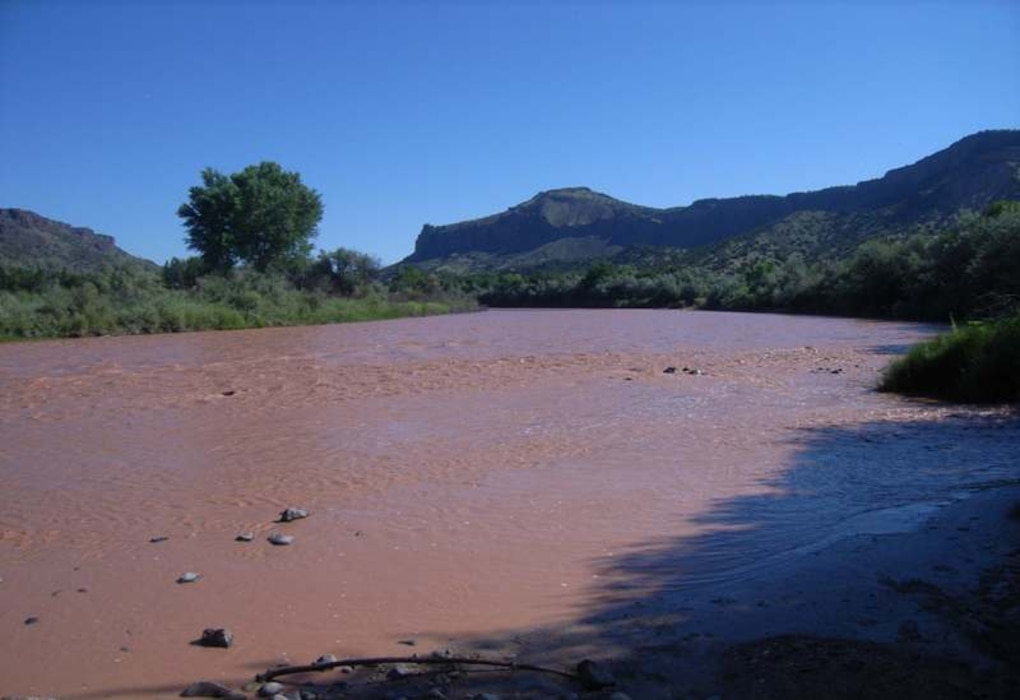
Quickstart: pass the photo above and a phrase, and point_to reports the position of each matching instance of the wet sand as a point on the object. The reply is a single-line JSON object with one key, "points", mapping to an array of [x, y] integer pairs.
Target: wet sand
{"points": [[470, 480]]}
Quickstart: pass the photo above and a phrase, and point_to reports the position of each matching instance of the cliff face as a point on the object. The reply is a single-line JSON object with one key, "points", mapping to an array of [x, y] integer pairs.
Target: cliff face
{"points": [[28, 239], [969, 174], [546, 217]]}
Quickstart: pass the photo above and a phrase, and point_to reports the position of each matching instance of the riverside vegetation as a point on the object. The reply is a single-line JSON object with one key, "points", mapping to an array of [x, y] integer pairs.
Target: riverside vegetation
{"points": [[254, 268], [36, 303]]}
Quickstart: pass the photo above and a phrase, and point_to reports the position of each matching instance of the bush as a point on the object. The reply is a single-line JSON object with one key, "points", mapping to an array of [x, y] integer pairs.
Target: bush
{"points": [[978, 363]]}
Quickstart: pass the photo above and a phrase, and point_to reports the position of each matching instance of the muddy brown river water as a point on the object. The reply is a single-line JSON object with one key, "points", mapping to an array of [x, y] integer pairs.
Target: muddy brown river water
{"points": [[467, 477]]}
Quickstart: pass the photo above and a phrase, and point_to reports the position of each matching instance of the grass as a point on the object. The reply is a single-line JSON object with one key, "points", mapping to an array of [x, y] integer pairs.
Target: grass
{"points": [[977, 363], [58, 312]]}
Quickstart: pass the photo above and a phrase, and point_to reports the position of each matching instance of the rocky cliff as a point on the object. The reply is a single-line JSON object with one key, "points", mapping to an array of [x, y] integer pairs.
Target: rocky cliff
{"points": [[970, 174], [28, 239]]}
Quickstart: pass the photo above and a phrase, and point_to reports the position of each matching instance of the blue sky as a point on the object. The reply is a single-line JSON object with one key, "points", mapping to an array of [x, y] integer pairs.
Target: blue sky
{"points": [[405, 113]]}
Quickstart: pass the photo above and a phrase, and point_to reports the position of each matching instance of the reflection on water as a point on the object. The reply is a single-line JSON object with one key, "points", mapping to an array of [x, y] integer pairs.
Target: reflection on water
{"points": [[464, 474]]}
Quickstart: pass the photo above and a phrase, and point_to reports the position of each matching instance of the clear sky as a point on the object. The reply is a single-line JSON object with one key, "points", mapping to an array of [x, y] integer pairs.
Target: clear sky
{"points": [[405, 113]]}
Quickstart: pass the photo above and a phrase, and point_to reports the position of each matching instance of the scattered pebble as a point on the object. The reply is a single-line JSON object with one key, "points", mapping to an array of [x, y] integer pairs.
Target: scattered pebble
{"points": [[401, 671], [31, 620], [290, 514], [230, 392], [188, 577], [694, 372], [280, 539], [325, 660], [157, 540], [245, 537], [216, 637], [407, 642]]}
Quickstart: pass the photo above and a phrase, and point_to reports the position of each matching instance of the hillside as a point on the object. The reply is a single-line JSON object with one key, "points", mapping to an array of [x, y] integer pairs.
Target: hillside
{"points": [[30, 240], [572, 224]]}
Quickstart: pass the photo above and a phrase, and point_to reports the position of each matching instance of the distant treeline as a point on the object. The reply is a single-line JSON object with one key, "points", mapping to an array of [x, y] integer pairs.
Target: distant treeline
{"points": [[337, 286], [971, 270]]}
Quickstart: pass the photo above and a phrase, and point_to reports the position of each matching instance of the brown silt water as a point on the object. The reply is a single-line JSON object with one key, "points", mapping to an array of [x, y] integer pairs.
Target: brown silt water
{"points": [[466, 477]]}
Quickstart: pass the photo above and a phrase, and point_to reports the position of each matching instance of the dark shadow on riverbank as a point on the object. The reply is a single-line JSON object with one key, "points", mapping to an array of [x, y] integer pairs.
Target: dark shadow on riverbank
{"points": [[881, 563]]}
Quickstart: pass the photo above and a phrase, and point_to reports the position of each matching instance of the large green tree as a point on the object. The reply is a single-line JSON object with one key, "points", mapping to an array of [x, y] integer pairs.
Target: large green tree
{"points": [[262, 216]]}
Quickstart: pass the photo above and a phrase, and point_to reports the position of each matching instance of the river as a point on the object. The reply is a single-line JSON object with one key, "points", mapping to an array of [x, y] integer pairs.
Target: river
{"points": [[466, 476]]}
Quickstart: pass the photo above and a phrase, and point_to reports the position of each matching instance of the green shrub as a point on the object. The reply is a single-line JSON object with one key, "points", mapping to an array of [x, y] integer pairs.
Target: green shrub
{"points": [[978, 363]]}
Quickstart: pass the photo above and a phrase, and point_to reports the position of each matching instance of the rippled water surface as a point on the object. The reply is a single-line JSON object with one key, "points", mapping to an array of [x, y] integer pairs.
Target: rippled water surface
{"points": [[466, 475]]}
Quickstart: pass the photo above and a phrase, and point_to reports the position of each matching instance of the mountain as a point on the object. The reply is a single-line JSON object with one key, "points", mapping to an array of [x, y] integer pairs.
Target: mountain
{"points": [[30, 240], [577, 223]]}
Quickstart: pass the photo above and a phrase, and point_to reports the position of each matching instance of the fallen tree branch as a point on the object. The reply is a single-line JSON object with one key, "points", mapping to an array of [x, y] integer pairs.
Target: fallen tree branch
{"points": [[420, 660]]}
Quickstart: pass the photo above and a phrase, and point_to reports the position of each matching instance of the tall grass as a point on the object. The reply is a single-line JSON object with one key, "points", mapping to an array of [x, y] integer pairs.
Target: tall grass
{"points": [[976, 363], [90, 305]]}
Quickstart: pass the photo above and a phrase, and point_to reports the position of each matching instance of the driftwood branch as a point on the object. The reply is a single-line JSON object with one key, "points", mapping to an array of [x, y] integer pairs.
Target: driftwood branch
{"points": [[420, 660]]}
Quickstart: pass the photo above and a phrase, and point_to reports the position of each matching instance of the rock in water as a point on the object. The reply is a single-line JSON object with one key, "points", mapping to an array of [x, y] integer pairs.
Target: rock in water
{"points": [[291, 514], [280, 539], [216, 637], [594, 676], [188, 577], [210, 689]]}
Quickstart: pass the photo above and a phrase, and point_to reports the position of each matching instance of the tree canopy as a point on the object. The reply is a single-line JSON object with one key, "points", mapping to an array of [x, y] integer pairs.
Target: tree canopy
{"points": [[345, 271], [262, 216]]}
